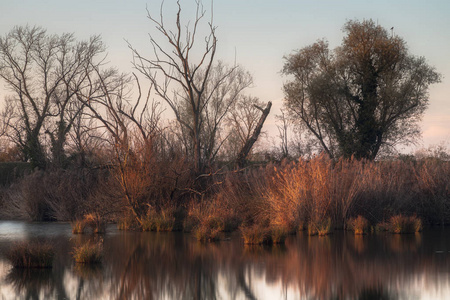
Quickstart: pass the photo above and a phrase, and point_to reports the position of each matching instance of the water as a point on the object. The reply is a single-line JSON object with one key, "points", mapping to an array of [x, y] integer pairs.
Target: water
{"points": [[176, 266]]}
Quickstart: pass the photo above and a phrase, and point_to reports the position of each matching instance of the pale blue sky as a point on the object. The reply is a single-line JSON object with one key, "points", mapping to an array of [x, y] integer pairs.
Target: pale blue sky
{"points": [[259, 32]]}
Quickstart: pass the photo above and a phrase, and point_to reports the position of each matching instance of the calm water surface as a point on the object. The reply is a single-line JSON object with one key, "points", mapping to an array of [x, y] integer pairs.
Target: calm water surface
{"points": [[175, 266]]}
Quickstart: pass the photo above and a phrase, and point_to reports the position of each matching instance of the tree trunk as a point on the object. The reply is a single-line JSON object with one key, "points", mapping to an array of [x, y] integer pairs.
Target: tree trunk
{"points": [[242, 156]]}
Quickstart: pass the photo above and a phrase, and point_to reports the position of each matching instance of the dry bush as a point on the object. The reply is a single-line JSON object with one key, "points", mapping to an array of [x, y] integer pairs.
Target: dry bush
{"points": [[61, 195], [128, 222], [205, 233], [320, 227], [300, 192], [278, 235], [26, 199], [359, 225], [310, 192], [69, 191], [433, 186], [403, 224], [255, 235], [162, 220], [144, 174], [224, 209], [236, 197]]}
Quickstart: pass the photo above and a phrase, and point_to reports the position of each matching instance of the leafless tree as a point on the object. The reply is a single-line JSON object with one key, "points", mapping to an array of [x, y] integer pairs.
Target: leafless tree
{"points": [[43, 72], [199, 91]]}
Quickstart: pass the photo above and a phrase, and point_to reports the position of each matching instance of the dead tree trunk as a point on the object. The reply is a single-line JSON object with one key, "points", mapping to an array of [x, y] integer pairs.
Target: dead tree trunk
{"points": [[242, 156]]}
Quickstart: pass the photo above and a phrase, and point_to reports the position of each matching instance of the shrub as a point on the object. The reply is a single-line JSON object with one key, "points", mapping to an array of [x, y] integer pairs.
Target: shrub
{"points": [[359, 225], [148, 224], [321, 228], [190, 223], [31, 255], [209, 228], [403, 224], [88, 253], [162, 221], [205, 233], [128, 222], [166, 220], [255, 235], [214, 214]]}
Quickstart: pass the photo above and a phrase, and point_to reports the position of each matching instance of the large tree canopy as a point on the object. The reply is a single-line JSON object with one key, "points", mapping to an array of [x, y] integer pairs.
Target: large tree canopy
{"points": [[366, 94]]}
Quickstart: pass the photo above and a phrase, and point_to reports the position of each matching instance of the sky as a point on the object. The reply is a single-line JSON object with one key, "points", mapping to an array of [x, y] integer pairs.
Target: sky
{"points": [[257, 34]]}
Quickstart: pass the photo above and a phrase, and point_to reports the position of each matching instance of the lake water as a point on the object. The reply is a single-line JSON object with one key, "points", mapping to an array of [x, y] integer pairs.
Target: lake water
{"points": [[175, 266]]}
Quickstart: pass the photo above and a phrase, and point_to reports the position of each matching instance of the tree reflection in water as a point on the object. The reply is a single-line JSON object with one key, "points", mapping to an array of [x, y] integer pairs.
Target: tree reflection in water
{"points": [[175, 266]]}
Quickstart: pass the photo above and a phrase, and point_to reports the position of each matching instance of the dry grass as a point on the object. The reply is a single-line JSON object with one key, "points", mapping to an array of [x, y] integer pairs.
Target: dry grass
{"points": [[403, 224], [31, 255], [207, 234], [255, 235], [96, 222], [209, 219], [128, 222], [88, 253], [164, 220], [320, 227], [278, 235], [311, 192], [359, 225], [79, 226]]}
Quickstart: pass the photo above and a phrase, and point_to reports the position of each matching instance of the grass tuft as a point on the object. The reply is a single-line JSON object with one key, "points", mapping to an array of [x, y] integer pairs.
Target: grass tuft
{"points": [[31, 255], [96, 222], [402, 224], [205, 234], [255, 235], [359, 225], [88, 253], [79, 226], [278, 235], [321, 227], [128, 222]]}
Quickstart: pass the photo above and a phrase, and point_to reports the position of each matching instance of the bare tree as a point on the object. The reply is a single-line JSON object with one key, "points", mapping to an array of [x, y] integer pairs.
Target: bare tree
{"points": [[43, 72], [199, 92]]}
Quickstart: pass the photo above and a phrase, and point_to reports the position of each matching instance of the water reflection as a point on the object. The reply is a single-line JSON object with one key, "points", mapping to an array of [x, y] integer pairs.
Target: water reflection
{"points": [[175, 266]]}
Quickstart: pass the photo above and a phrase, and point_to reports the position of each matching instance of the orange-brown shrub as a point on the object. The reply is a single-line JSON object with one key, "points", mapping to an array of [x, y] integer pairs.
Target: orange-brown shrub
{"points": [[359, 225], [403, 224], [308, 192]]}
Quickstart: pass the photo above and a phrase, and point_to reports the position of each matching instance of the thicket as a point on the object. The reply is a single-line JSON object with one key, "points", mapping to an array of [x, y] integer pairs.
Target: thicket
{"points": [[318, 194]]}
